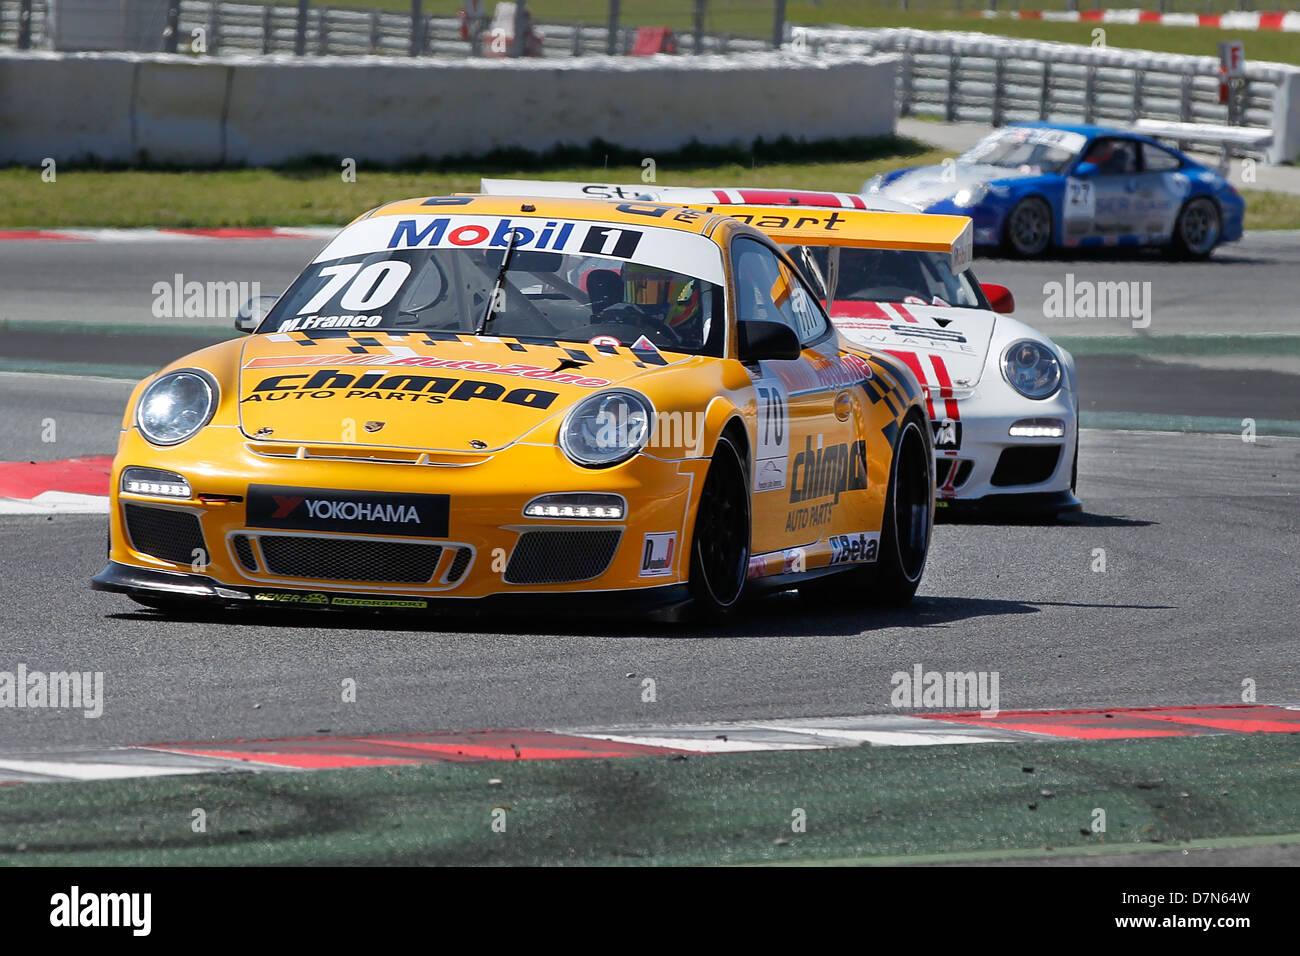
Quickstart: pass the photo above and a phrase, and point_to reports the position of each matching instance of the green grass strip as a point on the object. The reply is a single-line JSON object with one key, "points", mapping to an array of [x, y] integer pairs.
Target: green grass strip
{"points": [[888, 804]]}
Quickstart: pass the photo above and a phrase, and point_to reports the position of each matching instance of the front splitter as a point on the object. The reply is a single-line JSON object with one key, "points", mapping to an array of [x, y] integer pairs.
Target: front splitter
{"points": [[178, 589]]}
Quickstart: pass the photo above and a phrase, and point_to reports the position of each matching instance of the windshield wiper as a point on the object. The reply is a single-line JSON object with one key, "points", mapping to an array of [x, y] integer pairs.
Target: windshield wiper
{"points": [[498, 286]]}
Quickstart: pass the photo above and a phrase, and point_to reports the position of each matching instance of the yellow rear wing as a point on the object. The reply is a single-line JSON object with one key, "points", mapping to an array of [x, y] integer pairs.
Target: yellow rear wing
{"points": [[823, 226]]}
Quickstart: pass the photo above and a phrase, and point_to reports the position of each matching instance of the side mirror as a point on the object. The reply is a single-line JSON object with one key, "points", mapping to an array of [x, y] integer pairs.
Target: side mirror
{"points": [[252, 312], [1086, 169], [768, 340], [999, 296]]}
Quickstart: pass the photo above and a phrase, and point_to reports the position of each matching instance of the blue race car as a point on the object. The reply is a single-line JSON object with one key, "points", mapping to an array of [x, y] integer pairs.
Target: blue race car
{"points": [[1034, 186]]}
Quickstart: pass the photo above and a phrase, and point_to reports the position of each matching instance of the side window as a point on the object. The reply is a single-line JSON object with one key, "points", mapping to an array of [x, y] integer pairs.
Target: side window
{"points": [[1113, 156], [1157, 160], [767, 290]]}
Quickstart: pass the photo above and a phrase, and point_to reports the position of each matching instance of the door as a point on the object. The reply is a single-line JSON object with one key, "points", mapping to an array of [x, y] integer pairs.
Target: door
{"points": [[805, 458]]}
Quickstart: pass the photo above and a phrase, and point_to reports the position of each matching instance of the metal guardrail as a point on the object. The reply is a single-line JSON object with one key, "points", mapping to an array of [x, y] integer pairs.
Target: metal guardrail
{"points": [[979, 78], [214, 26], [11, 30]]}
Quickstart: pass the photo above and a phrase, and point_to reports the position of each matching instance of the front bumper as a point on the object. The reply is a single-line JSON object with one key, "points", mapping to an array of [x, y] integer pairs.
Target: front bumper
{"points": [[995, 472], [489, 548], [201, 590]]}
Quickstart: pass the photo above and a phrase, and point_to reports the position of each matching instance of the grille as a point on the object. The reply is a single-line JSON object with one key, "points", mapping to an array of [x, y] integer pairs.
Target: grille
{"points": [[556, 557], [1029, 465], [954, 469], [244, 551], [459, 564], [163, 533], [343, 559]]}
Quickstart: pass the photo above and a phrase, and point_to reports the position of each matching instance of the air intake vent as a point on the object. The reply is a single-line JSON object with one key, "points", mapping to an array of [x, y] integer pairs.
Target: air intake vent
{"points": [[558, 557], [244, 550], [347, 559], [459, 564], [1028, 465], [164, 533]]}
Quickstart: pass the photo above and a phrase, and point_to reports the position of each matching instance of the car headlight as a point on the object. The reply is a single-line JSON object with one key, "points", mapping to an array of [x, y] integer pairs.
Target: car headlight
{"points": [[1032, 369], [606, 428], [176, 406], [873, 184], [970, 195]]}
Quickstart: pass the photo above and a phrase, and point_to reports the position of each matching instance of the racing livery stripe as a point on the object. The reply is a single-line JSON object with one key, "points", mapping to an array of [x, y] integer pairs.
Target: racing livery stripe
{"points": [[902, 312], [945, 388], [894, 375], [914, 363]]}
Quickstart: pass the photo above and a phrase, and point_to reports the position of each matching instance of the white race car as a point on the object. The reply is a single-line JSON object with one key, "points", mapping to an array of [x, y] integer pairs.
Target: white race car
{"points": [[1002, 398]]}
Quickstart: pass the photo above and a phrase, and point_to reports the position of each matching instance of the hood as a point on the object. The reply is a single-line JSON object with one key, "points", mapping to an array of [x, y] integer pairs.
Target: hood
{"points": [[953, 342], [408, 390], [926, 185]]}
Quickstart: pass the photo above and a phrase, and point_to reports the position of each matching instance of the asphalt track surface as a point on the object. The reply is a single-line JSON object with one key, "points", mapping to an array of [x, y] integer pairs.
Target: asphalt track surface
{"points": [[1199, 533]]}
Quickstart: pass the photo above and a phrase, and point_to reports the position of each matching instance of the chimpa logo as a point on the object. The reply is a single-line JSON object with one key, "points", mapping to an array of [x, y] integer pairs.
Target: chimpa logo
{"points": [[824, 472], [657, 554]]}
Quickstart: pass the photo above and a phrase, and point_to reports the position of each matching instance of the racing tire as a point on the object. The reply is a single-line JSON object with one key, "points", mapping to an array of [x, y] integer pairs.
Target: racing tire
{"points": [[1197, 229], [906, 527], [1028, 229], [720, 542]]}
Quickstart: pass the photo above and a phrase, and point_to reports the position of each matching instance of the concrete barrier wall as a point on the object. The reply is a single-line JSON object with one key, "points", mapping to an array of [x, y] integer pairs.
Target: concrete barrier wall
{"points": [[154, 108]]}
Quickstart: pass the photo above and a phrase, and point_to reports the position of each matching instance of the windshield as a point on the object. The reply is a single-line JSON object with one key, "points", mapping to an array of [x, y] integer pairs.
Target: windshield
{"points": [[544, 294], [1026, 150], [887, 275]]}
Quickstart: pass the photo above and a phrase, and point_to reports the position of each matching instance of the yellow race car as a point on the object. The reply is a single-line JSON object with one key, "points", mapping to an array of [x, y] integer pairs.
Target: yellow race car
{"points": [[481, 402]]}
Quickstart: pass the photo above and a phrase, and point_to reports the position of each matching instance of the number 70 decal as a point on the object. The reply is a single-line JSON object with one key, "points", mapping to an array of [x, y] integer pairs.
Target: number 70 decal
{"points": [[363, 289]]}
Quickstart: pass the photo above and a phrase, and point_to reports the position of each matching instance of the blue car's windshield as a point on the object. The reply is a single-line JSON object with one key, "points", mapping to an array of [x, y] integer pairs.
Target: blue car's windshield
{"points": [[1026, 149]]}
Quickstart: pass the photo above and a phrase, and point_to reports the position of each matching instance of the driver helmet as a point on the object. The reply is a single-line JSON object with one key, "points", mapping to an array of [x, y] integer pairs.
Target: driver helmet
{"points": [[673, 297]]}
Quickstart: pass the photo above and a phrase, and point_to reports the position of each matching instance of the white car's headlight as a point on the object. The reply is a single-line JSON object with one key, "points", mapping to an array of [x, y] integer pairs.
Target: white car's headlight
{"points": [[176, 406], [873, 184], [1032, 369], [970, 195], [606, 428]]}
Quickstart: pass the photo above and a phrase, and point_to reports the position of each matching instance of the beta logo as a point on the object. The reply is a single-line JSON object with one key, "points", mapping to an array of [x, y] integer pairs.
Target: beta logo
{"points": [[657, 554], [854, 548]]}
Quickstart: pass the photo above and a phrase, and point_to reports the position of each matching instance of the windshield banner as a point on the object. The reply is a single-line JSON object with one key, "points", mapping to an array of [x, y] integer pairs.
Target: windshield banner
{"points": [[683, 252]]}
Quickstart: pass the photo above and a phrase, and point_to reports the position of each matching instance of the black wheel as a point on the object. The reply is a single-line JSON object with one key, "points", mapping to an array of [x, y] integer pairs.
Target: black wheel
{"points": [[1197, 228], [904, 536], [720, 542], [1028, 229]]}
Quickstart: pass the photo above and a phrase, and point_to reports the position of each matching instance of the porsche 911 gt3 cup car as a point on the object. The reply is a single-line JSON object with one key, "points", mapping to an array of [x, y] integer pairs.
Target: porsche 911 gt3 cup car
{"points": [[1001, 397], [1034, 186], [503, 401]]}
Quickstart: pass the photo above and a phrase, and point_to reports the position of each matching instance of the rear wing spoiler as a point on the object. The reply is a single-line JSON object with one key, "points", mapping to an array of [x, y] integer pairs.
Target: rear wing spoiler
{"points": [[682, 195], [811, 226]]}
